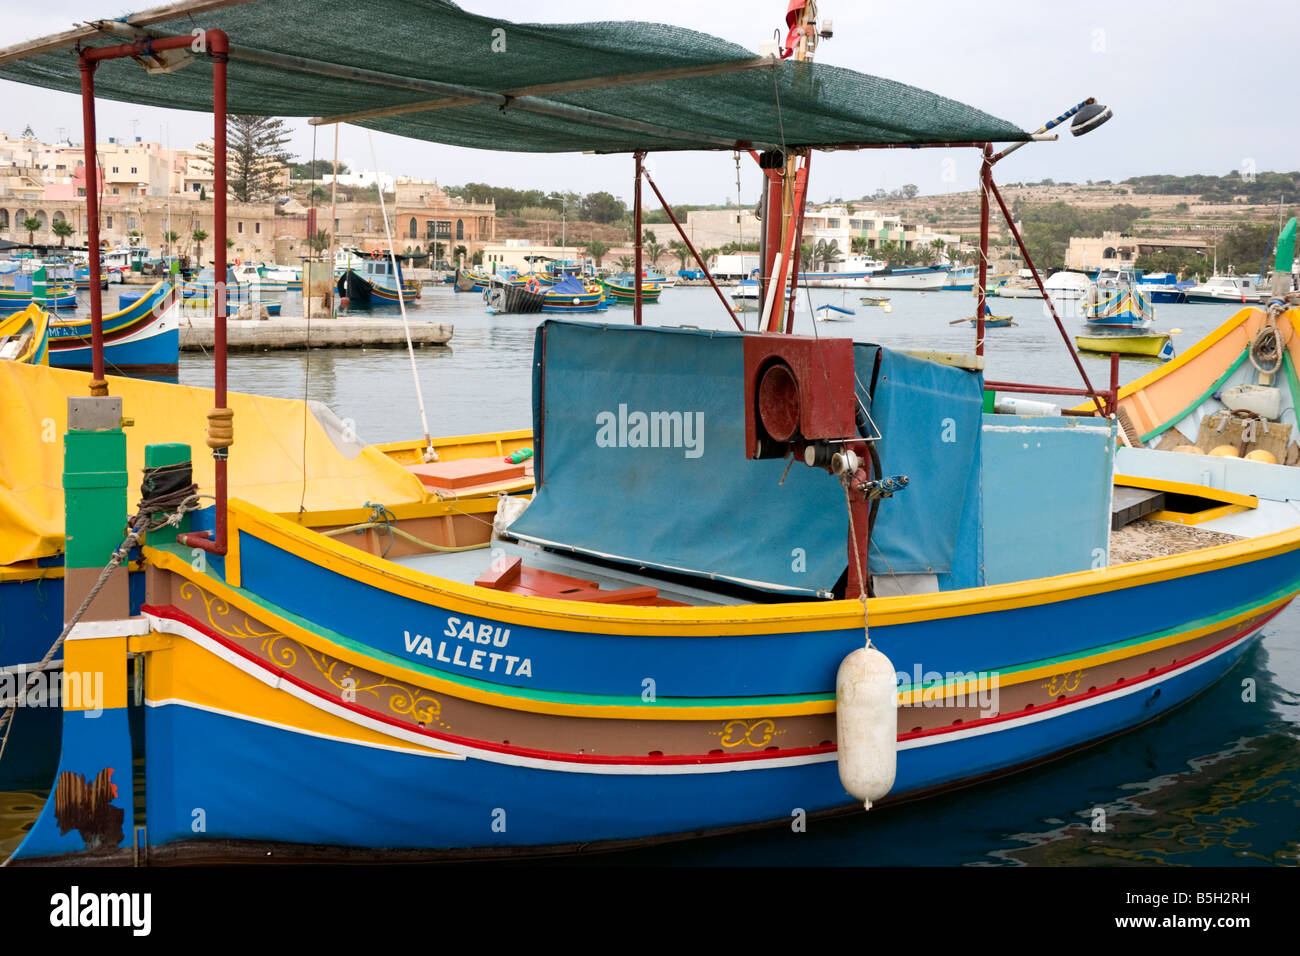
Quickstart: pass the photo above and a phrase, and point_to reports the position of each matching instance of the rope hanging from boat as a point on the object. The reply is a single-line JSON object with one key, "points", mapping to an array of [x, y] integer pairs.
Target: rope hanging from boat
{"points": [[1267, 348], [429, 453]]}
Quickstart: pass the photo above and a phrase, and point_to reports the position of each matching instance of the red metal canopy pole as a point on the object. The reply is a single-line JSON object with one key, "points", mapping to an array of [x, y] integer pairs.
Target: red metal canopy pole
{"points": [[220, 418], [1065, 336], [98, 386], [986, 179], [636, 227], [691, 246]]}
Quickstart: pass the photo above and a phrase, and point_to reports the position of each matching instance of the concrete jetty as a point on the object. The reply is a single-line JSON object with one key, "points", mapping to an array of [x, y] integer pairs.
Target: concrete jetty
{"points": [[245, 335]]}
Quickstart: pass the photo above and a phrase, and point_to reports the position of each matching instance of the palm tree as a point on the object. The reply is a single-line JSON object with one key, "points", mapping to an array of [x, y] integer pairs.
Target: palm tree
{"points": [[708, 255], [170, 237], [320, 241], [653, 250], [825, 252], [681, 251], [31, 224], [198, 235], [63, 229], [597, 250], [625, 263]]}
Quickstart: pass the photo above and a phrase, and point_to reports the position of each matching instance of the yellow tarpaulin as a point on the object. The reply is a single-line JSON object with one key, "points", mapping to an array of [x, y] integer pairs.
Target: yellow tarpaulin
{"points": [[266, 460]]}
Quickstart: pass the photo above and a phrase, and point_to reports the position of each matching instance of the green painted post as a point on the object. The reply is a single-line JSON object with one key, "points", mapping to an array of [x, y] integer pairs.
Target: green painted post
{"points": [[162, 455], [95, 505]]}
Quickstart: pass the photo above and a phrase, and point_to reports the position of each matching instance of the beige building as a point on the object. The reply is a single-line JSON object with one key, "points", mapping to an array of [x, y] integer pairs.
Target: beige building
{"points": [[149, 191], [841, 223], [1113, 250], [515, 254], [711, 228]]}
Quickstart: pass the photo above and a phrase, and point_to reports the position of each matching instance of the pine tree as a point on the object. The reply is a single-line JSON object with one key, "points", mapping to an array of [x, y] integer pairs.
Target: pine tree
{"points": [[255, 156]]}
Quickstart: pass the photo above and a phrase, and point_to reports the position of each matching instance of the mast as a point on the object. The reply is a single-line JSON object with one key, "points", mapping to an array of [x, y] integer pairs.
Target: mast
{"points": [[787, 188]]}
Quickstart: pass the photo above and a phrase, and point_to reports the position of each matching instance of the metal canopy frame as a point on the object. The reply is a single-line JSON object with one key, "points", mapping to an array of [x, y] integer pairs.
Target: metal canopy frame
{"points": [[785, 190]]}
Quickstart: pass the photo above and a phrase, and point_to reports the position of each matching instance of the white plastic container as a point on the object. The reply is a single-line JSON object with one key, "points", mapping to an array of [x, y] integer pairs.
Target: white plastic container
{"points": [[1025, 406]]}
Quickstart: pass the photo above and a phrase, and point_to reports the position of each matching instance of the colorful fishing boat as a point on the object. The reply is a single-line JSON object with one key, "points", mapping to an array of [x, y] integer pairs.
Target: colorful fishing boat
{"points": [[375, 283], [19, 289], [994, 321], [960, 279], [204, 288], [622, 288], [24, 337], [32, 542], [629, 655], [1120, 307], [468, 280], [571, 294], [1140, 344], [514, 294], [1233, 394], [142, 337], [83, 278]]}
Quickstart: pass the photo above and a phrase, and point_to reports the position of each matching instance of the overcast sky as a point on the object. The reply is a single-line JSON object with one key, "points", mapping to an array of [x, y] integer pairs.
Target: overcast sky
{"points": [[1188, 81]]}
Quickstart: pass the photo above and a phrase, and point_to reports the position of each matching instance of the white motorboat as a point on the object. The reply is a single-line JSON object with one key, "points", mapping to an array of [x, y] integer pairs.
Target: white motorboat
{"points": [[1225, 288], [850, 272], [918, 278], [1067, 292], [745, 297]]}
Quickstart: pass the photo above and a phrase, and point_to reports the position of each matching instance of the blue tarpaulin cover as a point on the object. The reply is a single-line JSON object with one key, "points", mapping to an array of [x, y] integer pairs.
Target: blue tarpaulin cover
{"points": [[929, 417], [642, 460], [569, 285]]}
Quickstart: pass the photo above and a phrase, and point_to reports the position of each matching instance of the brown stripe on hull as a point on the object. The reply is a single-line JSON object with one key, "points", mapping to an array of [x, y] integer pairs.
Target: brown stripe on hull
{"points": [[400, 700], [1064, 685], [439, 711]]}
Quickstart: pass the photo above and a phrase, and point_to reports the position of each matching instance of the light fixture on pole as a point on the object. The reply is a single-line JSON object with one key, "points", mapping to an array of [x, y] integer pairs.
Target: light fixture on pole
{"points": [[1088, 115]]}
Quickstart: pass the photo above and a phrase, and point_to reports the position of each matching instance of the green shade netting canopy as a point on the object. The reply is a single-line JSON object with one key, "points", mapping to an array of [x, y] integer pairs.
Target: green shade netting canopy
{"points": [[414, 42]]}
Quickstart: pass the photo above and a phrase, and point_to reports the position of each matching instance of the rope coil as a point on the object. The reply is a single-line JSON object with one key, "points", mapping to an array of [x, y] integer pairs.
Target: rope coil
{"points": [[221, 427]]}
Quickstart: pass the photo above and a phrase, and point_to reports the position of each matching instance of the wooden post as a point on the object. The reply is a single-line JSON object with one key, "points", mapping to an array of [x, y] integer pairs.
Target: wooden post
{"points": [[986, 177]]}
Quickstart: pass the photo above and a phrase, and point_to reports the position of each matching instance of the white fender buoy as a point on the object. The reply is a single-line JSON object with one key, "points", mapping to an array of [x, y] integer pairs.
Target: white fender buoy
{"points": [[866, 723]]}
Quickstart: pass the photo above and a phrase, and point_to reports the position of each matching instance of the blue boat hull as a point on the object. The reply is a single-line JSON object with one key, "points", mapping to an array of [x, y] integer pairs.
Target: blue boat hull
{"points": [[210, 758]]}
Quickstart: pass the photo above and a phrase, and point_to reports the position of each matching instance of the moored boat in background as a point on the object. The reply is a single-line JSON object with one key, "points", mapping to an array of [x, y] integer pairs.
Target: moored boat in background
{"points": [[1224, 288], [24, 336], [919, 278], [143, 336]]}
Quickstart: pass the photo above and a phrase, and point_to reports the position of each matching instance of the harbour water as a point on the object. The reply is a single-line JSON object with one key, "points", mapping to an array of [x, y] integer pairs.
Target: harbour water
{"points": [[1214, 783]]}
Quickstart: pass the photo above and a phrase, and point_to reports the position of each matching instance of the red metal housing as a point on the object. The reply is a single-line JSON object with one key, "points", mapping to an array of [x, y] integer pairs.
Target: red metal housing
{"points": [[797, 388]]}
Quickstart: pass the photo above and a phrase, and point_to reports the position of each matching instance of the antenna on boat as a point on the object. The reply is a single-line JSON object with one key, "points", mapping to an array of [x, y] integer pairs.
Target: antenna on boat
{"points": [[429, 453]]}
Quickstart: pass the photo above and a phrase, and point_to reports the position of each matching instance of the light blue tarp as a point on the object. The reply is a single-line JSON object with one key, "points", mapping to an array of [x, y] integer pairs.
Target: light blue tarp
{"points": [[1047, 492], [642, 460], [929, 419]]}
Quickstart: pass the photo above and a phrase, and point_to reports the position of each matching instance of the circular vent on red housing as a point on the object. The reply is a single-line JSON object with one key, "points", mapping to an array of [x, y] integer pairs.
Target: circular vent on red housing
{"points": [[778, 402]]}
